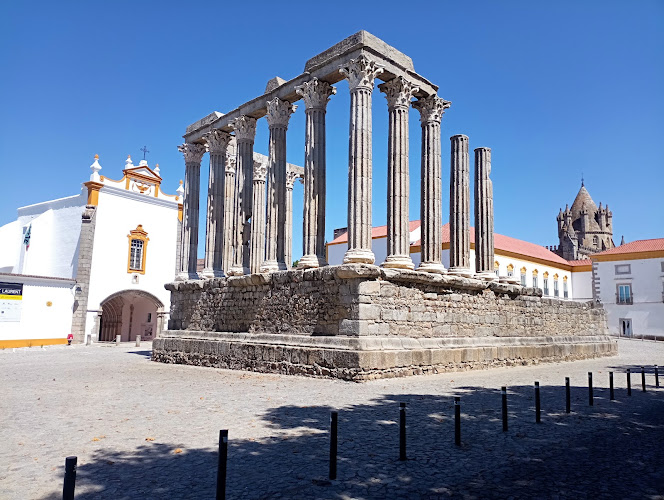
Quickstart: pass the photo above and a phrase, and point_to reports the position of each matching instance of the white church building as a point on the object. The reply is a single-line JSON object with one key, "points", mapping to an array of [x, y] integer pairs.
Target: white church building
{"points": [[93, 264]]}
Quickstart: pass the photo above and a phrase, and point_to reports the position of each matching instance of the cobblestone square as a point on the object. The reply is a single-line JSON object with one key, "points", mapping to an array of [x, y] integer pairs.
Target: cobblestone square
{"points": [[145, 430]]}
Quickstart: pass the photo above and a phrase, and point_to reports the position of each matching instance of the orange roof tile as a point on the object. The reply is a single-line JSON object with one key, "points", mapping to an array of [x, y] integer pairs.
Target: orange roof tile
{"points": [[582, 262], [376, 232], [653, 245]]}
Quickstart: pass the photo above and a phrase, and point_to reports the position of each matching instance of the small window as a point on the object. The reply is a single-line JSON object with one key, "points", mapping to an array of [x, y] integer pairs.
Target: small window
{"points": [[662, 263], [546, 286], [623, 269], [556, 291], [138, 243], [624, 294], [149, 317], [510, 270], [565, 291], [595, 241]]}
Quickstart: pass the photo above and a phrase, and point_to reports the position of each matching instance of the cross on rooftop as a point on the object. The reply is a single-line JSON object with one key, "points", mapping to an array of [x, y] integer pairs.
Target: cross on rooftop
{"points": [[145, 151]]}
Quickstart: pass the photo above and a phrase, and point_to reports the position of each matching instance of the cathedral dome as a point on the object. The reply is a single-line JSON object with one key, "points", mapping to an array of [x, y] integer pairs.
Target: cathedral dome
{"points": [[583, 198]]}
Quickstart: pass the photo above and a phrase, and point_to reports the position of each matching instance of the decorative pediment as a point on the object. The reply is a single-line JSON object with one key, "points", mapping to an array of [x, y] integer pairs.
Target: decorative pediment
{"points": [[143, 173]]}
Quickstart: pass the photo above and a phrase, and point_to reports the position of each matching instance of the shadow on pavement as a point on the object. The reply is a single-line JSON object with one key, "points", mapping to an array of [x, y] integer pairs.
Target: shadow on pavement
{"points": [[613, 449]]}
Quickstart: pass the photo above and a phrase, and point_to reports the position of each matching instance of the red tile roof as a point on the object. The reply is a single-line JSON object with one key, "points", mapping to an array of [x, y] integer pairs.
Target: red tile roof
{"points": [[501, 242], [653, 245], [582, 262]]}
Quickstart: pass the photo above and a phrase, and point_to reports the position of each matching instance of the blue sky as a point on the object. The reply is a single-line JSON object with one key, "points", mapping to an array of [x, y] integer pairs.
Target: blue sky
{"points": [[556, 89]]}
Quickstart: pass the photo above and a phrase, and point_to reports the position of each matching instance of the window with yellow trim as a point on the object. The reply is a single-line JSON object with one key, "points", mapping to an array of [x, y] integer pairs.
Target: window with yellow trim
{"points": [[496, 267], [138, 246], [510, 270], [523, 276], [535, 274]]}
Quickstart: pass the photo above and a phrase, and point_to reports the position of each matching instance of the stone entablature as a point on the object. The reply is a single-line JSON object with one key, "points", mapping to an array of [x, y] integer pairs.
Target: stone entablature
{"points": [[370, 322]]}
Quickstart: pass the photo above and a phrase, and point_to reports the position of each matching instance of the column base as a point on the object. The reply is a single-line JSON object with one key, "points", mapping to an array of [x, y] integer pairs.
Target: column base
{"points": [[464, 272], [271, 266], [398, 262], [238, 271], [208, 273], [487, 276], [359, 256], [184, 276], [311, 262], [432, 267]]}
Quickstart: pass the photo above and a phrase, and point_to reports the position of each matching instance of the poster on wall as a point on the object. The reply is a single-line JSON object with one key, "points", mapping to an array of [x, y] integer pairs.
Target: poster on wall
{"points": [[11, 297]]}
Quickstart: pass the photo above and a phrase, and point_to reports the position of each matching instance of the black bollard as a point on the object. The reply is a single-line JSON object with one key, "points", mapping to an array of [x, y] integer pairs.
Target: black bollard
{"points": [[537, 403], [629, 382], [504, 391], [656, 377], [333, 444], [457, 421], [590, 388], [611, 395], [221, 468], [402, 431], [70, 478], [643, 378], [568, 398]]}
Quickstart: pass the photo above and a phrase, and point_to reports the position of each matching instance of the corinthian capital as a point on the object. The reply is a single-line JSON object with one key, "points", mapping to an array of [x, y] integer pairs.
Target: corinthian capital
{"points": [[316, 93], [361, 72], [260, 171], [398, 92], [217, 141], [244, 127], [193, 153], [278, 112], [291, 176], [431, 108]]}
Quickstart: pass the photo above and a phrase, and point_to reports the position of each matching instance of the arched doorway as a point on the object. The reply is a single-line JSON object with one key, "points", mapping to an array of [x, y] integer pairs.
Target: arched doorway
{"points": [[130, 313]]}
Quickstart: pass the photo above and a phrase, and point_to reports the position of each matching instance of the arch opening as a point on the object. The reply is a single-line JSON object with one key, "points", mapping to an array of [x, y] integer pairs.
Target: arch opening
{"points": [[130, 313]]}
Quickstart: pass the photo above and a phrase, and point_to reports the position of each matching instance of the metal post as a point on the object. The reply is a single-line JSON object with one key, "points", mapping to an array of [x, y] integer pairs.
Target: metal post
{"points": [[537, 403], [117, 339], [656, 377], [590, 388], [70, 478], [138, 341], [457, 421], [333, 444], [402, 431], [504, 391], [629, 382], [611, 394], [221, 467], [88, 339], [568, 396], [643, 378]]}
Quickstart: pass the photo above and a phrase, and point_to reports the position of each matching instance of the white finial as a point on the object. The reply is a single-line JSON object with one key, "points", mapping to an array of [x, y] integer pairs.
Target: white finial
{"points": [[128, 163], [95, 167], [180, 191], [156, 169]]}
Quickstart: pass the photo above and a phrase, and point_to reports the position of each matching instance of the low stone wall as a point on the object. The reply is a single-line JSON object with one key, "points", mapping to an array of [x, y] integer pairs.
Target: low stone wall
{"points": [[358, 322]]}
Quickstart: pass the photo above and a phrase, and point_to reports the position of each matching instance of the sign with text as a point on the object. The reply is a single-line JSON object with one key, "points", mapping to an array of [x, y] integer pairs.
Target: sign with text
{"points": [[11, 297]]}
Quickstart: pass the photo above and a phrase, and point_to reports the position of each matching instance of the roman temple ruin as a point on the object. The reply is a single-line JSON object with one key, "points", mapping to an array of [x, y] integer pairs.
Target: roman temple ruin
{"points": [[355, 321]]}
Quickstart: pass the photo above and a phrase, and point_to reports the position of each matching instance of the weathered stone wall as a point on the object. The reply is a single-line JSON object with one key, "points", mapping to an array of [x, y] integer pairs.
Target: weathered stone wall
{"points": [[367, 300], [359, 322]]}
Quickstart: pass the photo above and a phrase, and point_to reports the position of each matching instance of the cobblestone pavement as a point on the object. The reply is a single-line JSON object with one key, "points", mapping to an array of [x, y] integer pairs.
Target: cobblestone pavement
{"points": [[147, 430]]}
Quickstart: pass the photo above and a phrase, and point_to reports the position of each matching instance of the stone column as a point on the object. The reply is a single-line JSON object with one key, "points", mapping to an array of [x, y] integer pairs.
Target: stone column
{"points": [[460, 207], [360, 74], [229, 212], [217, 142], [288, 235], [316, 94], [245, 131], [484, 257], [278, 115], [258, 217], [193, 154], [398, 93], [431, 110]]}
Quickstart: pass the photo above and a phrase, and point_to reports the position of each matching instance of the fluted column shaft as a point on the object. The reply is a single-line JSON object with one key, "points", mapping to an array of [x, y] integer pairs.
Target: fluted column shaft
{"points": [[398, 93], [245, 131], [229, 212], [316, 95], [214, 242], [258, 218], [360, 74], [278, 114], [193, 154], [288, 233], [431, 110], [484, 254], [460, 207]]}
